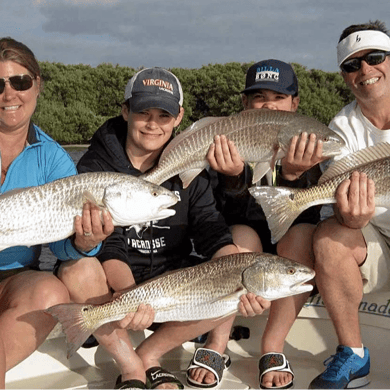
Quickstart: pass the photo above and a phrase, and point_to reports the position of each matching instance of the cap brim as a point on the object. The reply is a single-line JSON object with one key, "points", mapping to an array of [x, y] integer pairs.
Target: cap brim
{"points": [[270, 86], [140, 103]]}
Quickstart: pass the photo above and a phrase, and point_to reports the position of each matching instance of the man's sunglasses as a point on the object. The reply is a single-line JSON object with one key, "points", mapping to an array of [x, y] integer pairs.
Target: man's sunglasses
{"points": [[21, 82], [373, 58]]}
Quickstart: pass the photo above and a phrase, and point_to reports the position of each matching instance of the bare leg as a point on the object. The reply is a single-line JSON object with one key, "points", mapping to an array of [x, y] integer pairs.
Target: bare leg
{"points": [[172, 334], [87, 282], [295, 245], [23, 324], [246, 240], [339, 251]]}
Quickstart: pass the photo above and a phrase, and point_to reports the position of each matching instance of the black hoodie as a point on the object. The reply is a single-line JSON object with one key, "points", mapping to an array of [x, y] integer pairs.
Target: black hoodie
{"points": [[196, 220]]}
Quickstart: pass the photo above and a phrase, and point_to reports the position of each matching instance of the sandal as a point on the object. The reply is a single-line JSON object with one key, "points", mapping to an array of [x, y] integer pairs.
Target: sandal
{"points": [[129, 384], [155, 376], [274, 361], [210, 360]]}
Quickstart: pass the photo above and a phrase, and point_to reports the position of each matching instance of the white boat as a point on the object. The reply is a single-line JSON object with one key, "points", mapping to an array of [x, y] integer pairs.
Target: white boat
{"points": [[311, 340]]}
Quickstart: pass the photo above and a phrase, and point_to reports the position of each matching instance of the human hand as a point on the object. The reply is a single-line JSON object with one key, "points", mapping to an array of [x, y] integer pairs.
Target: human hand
{"points": [[224, 158], [355, 200], [90, 230], [303, 153], [139, 320], [251, 305]]}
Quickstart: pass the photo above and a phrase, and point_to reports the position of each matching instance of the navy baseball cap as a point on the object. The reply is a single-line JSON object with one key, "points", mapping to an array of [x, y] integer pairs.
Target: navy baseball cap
{"points": [[154, 88], [275, 75]]}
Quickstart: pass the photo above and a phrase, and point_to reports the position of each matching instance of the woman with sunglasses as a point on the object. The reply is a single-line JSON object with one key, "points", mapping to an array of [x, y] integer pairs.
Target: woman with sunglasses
{"points": [[29, 158], [352, 253]]}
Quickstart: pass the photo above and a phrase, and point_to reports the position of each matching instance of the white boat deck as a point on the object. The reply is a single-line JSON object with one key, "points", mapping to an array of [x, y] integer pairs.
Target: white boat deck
{"points": [[309, 343]]}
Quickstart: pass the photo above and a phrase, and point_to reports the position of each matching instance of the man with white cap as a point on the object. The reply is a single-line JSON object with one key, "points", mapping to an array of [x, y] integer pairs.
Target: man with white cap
{"points": [[351, 248]]}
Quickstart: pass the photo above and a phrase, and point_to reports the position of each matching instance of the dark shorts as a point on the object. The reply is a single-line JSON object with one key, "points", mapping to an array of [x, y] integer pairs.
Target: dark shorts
{"points": [[4, 274], [262, 230]]}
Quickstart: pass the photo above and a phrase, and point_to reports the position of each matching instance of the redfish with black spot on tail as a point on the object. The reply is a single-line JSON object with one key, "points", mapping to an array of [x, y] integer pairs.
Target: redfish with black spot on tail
{"points": [[283, 205], [208, 290], [261, 136]]}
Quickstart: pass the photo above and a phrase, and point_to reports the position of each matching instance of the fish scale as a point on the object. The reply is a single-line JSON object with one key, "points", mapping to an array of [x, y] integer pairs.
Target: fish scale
{"points": [[208, 290], [260, 136], [44, 214], [283, 205]]}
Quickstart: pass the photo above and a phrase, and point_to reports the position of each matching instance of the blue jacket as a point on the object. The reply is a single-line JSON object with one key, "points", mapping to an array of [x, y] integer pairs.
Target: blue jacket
{"points": [[42, 160]]}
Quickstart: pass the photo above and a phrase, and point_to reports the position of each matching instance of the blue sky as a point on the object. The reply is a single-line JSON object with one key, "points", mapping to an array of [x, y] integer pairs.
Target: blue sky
{"points": [[185, 33]]}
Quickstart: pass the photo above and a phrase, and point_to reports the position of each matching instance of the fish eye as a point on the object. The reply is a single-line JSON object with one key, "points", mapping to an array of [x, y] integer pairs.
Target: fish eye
{"points": [[291, 271], [84, 309], [154, 193], [326, 139]]}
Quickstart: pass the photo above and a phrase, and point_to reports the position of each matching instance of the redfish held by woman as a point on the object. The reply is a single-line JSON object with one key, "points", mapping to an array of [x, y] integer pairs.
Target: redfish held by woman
{"points": [[44, 214]]}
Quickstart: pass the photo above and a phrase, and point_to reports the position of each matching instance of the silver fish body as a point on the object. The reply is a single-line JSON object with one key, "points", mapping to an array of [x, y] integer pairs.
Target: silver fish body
{"points": [[209, 290], [44, 214], [261, 137], [283, 205]]}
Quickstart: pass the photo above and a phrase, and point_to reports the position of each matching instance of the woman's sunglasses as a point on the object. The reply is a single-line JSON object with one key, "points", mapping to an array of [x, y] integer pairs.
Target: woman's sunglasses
{"points": [[21, 82], [373, 58]]}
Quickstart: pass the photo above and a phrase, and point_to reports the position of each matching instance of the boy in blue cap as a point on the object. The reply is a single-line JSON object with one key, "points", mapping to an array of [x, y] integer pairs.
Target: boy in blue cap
{"points": [[270, 84]]}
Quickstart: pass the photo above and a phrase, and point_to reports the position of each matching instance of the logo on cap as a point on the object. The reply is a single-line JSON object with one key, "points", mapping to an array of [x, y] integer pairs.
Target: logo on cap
{"points": [[267, 73], [161, 84], [358, 39]]}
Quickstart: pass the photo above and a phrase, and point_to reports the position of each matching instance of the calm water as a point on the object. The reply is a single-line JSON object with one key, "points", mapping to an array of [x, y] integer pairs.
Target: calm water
{"points": [[47, 259]]}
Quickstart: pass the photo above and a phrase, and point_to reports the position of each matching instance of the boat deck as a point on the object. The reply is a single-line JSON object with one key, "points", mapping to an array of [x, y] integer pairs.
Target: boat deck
{"points": [[309, 343]]}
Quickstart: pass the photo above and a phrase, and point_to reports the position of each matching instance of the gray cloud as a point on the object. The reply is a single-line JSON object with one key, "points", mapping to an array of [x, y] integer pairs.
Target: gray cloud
{"points": [[192, 33]]}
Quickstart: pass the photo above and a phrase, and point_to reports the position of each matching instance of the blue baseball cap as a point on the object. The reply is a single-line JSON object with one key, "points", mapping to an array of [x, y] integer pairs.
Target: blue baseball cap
{"points": [[154, 88], [275, 75]]}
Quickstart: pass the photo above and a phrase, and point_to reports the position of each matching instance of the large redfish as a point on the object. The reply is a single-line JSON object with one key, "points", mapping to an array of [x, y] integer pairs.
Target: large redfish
{"points": [[208, 290], [261, 137], [282, 205], [44, 214]]}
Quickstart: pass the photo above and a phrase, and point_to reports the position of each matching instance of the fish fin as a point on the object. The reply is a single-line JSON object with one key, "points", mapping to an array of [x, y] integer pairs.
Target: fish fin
{"points": [[88, 197], [278, 206], [269, 177], [187, 176], [73, 325], [259, 170], [140, 228], [355, 160], [187, 132]]}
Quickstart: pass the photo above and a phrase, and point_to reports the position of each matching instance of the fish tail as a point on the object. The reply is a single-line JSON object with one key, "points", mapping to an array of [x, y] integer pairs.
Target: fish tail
{"points": [[73, 324], [279, 206]]}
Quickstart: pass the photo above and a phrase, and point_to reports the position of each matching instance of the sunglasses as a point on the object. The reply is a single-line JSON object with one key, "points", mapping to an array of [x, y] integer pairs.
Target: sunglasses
{"points": [[373, 58], [21, 82]]}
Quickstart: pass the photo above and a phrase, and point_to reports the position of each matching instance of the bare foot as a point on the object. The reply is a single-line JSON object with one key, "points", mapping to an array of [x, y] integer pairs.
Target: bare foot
{"points": [[276, 379]]}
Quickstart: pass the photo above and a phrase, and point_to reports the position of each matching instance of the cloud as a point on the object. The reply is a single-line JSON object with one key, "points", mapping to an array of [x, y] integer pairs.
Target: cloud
{"points": [[177, 33]]}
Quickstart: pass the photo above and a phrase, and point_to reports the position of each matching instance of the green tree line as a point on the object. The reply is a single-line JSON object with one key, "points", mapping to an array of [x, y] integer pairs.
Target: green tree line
{"points": [[77, 99]]}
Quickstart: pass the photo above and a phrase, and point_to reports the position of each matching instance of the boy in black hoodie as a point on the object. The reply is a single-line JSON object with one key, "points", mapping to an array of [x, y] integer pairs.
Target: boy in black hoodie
{"points": [[132, 143]]}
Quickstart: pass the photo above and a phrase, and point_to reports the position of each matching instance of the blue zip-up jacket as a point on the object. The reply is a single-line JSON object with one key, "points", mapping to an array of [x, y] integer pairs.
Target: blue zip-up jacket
{"points": [[43, 160]]}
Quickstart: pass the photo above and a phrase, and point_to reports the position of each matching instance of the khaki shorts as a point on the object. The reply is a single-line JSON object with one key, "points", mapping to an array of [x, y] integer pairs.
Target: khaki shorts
{"points": [[376, 269]]}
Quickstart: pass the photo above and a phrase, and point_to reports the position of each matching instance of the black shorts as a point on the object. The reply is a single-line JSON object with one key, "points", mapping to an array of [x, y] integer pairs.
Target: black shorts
{"points": [[262, 230]]}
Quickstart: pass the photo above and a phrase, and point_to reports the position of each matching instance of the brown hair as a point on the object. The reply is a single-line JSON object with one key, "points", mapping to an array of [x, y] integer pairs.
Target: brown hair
{"points": [[377, 25], [12, 50]]}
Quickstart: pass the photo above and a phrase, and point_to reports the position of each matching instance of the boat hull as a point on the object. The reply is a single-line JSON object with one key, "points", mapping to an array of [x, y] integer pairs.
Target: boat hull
{"points": [[311, 340]]}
